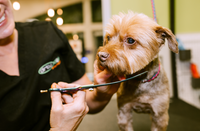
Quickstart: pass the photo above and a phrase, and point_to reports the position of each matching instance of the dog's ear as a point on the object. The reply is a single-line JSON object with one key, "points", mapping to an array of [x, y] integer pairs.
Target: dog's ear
{"points": [[166, 33]]}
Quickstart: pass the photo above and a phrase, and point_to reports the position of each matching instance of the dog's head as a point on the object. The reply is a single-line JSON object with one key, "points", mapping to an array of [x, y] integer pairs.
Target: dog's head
{"points": [[131, 42]]}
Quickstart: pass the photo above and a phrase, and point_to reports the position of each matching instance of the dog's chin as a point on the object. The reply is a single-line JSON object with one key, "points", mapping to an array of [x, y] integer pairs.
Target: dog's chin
{"points": [[101, 65], [120, 74]]}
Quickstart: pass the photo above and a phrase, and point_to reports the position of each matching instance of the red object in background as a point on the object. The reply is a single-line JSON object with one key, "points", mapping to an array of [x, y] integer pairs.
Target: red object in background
{"points": [[194, 71]]}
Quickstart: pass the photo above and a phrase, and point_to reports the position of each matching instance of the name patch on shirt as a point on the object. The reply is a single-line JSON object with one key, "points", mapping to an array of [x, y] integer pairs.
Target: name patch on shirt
{"points": [[49, 66]]}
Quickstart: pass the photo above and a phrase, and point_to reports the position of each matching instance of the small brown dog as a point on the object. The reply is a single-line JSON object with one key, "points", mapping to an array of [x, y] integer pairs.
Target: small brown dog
{"points": [[131, 46]]}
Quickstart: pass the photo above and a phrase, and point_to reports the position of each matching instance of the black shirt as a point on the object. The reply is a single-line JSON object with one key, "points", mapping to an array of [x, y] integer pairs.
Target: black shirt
{"points": [[45, 56]]}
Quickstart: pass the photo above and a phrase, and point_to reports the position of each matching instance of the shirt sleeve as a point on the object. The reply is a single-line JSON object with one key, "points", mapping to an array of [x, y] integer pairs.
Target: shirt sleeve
{"points": [[75, 68]]}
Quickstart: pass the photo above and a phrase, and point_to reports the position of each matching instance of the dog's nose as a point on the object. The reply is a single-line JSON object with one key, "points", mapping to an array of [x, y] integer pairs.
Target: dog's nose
{"points": [[103, 56]]}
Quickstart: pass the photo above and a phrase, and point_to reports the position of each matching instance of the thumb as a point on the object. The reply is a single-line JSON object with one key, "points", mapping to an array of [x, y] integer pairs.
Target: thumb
{"points": [[56, 98]]}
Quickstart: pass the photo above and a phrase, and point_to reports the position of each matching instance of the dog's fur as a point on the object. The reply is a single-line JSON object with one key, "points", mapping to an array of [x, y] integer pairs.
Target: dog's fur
{"points": [[131, 45]]}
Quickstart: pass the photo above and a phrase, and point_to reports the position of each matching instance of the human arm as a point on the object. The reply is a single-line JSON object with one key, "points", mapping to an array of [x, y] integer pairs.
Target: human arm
{"points": [[67, 111], [101, 96]]}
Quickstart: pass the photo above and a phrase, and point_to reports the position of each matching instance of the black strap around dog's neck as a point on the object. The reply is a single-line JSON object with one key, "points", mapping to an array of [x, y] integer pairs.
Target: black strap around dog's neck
{"points": [[153, 77]]}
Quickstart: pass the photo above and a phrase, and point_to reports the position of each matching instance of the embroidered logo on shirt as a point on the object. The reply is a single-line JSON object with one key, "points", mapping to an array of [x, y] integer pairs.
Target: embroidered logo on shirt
{"points": [[49, 66]]}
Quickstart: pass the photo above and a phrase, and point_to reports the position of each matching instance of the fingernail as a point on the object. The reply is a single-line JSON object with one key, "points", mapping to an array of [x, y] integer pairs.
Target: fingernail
{"points": [[53, 85]]}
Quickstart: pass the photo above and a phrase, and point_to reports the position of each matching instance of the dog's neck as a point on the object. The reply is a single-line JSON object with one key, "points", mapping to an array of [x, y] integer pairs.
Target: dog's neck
{"points": [[153, 77], [153, 69]]}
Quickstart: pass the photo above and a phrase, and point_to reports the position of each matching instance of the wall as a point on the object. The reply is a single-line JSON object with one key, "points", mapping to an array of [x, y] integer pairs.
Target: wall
{"points": [[143, 6], [187, 16]]}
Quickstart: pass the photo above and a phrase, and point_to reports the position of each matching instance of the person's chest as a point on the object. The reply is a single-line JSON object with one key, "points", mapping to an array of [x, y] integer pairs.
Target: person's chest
{"points": [[9, 64]]}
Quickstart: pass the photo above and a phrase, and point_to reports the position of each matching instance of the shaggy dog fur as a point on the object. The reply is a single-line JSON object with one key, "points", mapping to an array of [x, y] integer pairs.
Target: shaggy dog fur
{"points": [[131, 46]]}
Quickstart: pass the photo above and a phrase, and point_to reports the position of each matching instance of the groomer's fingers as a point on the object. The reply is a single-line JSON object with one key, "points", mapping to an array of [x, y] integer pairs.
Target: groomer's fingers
{"points": [[67, 98], [96, 67], [79, 96], [66, 85], [101, 71], [56, 99], [105, 74], [101, 75]]}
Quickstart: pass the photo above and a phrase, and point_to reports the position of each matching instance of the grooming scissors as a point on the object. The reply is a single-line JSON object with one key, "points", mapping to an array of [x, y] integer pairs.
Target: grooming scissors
{"points": [[90, 87]]}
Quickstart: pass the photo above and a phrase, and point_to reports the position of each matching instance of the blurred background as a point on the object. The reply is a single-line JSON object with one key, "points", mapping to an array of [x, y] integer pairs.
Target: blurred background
{"points": [[83, 22]]}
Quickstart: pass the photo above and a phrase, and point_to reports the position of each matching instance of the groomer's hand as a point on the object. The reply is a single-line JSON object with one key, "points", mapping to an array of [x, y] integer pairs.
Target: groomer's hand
{"points": [[102, 76], [67, 111]]}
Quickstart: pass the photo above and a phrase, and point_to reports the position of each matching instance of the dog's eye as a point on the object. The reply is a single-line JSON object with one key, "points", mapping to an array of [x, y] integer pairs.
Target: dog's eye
{"points": [[108, 38], [130, 41]]}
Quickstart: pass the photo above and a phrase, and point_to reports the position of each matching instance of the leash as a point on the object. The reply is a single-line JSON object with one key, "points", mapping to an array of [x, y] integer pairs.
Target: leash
{"points": [[90, 87], [154, 10], [153, 77]]}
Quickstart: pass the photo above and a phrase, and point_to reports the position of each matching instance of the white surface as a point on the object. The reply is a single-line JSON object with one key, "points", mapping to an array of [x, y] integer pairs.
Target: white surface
{"points": [[185, 90]]}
